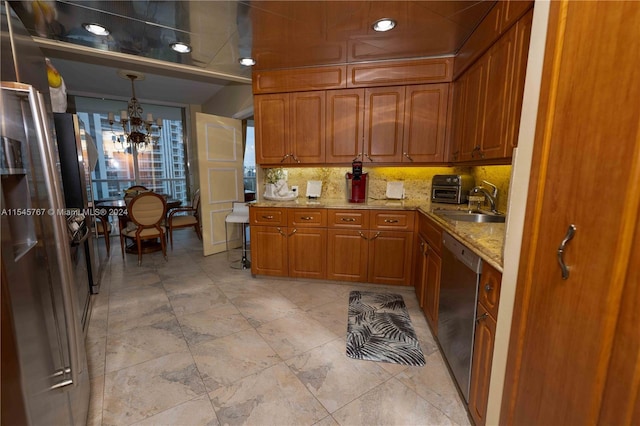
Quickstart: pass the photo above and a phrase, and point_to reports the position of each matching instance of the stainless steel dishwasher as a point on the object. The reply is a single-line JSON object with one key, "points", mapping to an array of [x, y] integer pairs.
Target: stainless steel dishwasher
{"points": [[460, 274]]}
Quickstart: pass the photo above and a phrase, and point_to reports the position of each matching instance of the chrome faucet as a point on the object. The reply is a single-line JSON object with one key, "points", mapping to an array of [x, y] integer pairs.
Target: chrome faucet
{"points": [[491, 197]]}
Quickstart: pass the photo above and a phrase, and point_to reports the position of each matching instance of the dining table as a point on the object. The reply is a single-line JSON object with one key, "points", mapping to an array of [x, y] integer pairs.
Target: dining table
{"points": [[117, 207]]}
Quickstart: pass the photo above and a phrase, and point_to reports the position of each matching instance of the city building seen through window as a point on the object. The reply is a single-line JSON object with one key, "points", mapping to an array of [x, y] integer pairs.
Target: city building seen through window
{"points": [[160, 166]]}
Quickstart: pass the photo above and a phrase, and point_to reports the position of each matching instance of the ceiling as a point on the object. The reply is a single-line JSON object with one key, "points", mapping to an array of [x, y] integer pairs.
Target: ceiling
{"points": [[278, 34]]}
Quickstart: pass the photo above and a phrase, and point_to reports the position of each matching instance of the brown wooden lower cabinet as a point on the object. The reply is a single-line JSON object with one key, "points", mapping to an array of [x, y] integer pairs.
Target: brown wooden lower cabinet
{"points": [[429, 265], [349, 255], [488, 301], [345, 251], [481, 368], [390, 257], [269, 250], [307, 252], [432, 268]]}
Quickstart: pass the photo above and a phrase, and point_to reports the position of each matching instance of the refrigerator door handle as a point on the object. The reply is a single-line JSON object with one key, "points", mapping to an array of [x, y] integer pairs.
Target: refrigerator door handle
{"points": [[54, 193]]}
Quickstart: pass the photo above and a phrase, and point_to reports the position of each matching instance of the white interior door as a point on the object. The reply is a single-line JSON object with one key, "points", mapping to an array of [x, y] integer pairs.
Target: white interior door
{"points": [[220, 163]]}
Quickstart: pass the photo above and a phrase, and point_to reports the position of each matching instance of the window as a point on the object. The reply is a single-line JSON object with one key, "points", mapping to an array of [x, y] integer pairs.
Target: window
{"points": [[160, 167], [250, 160]]}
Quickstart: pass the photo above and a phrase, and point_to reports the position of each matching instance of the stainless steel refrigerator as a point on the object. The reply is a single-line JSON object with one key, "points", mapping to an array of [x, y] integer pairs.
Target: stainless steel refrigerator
{"points": [[44, 369], [76, 163]]}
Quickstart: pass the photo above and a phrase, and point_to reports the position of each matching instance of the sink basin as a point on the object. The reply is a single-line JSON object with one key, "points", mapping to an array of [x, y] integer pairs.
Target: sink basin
{"points": [[465, 216]]}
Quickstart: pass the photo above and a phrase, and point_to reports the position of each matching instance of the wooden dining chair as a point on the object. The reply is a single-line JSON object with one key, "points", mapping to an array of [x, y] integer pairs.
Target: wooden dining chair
{"points": [[185, 217], [147, 212]]}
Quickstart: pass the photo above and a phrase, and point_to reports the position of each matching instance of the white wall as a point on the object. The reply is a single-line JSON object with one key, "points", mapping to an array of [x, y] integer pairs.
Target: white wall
{"points": [[230, 100]]}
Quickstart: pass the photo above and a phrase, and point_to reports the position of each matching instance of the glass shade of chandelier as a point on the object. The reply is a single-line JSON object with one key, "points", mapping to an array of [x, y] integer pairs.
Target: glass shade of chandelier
{"points": [[137, 132]]}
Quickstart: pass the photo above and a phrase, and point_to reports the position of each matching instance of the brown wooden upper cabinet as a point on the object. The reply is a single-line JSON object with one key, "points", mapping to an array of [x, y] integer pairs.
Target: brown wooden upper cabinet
{"points": [[290, 128], [488, 99], [397, 124]]}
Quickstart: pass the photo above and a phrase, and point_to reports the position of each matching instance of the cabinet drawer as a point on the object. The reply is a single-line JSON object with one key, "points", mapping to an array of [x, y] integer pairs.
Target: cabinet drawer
{"points": [[431, 232], [309, 218], [275, 216], [391, 219], [351, 219], [489, 291]]}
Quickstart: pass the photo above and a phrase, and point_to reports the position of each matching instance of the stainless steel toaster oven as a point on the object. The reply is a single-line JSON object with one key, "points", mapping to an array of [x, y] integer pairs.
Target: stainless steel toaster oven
{"points": [[451, 189]]}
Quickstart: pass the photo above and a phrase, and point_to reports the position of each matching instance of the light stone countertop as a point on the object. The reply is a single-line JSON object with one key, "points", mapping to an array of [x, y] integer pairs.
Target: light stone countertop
{"points": [[484, 239]]}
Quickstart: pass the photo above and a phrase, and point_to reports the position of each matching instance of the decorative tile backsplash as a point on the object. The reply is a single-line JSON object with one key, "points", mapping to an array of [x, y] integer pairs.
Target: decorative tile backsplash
{"points": [[416, 180]]}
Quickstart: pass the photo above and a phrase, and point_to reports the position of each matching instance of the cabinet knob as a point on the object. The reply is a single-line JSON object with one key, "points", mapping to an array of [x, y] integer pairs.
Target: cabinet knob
{"points": [[488, 287], [481, 317]]}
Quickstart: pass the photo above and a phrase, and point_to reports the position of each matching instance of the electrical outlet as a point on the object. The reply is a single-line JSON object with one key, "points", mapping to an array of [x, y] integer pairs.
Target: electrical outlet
{"points": [[294, 189]]}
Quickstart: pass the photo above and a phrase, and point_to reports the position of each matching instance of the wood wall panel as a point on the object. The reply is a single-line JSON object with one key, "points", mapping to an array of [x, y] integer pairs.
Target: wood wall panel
{"points": [[299, 80], [438, 70]]}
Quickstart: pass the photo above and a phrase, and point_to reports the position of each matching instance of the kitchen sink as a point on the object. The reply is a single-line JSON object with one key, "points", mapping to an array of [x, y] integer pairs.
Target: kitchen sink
{"points": [[474, 216]]}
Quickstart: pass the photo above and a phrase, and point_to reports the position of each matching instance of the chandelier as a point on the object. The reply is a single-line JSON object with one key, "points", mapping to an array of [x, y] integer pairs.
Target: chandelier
{"points": [[136, 131]]}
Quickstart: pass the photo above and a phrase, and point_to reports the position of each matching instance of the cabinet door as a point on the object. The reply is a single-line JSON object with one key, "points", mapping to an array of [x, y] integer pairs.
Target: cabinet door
{"points": [[481, 366], [499, 78], [307, 127], [425, 122], [523, 35], [271, 113], [420, 260], [384, 115], [347, 255], [458, 118], [564, 330], [390, 257], [489, 289], [432, 268], [345, 125], [307, 252], [474, 104], [269, 250]]}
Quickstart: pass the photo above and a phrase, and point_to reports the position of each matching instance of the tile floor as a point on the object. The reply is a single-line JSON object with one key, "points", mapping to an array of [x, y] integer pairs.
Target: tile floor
{"points": [[191, 341]]}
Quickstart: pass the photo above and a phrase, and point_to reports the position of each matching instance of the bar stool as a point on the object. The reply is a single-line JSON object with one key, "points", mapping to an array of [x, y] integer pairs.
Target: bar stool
{"points": [[240, 215]]}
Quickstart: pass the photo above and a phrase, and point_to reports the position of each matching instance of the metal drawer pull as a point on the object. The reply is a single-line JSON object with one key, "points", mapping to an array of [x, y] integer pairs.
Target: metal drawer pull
{"points": [[294, 231], [391, 221], [267, 217], [306, 217], [375, 236], [362, 235], [563, 267], [280, 232], [348, 219], [407, 155]]}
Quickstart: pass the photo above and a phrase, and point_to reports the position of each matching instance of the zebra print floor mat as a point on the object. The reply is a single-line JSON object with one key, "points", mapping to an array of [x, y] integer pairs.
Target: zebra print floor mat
{"points": [[380, 329]]}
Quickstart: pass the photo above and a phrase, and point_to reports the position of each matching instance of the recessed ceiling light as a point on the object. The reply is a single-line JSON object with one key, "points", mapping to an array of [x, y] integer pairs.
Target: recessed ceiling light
{"points": [[96, 29], [247, 62], [384, 24], [181, 47]]}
